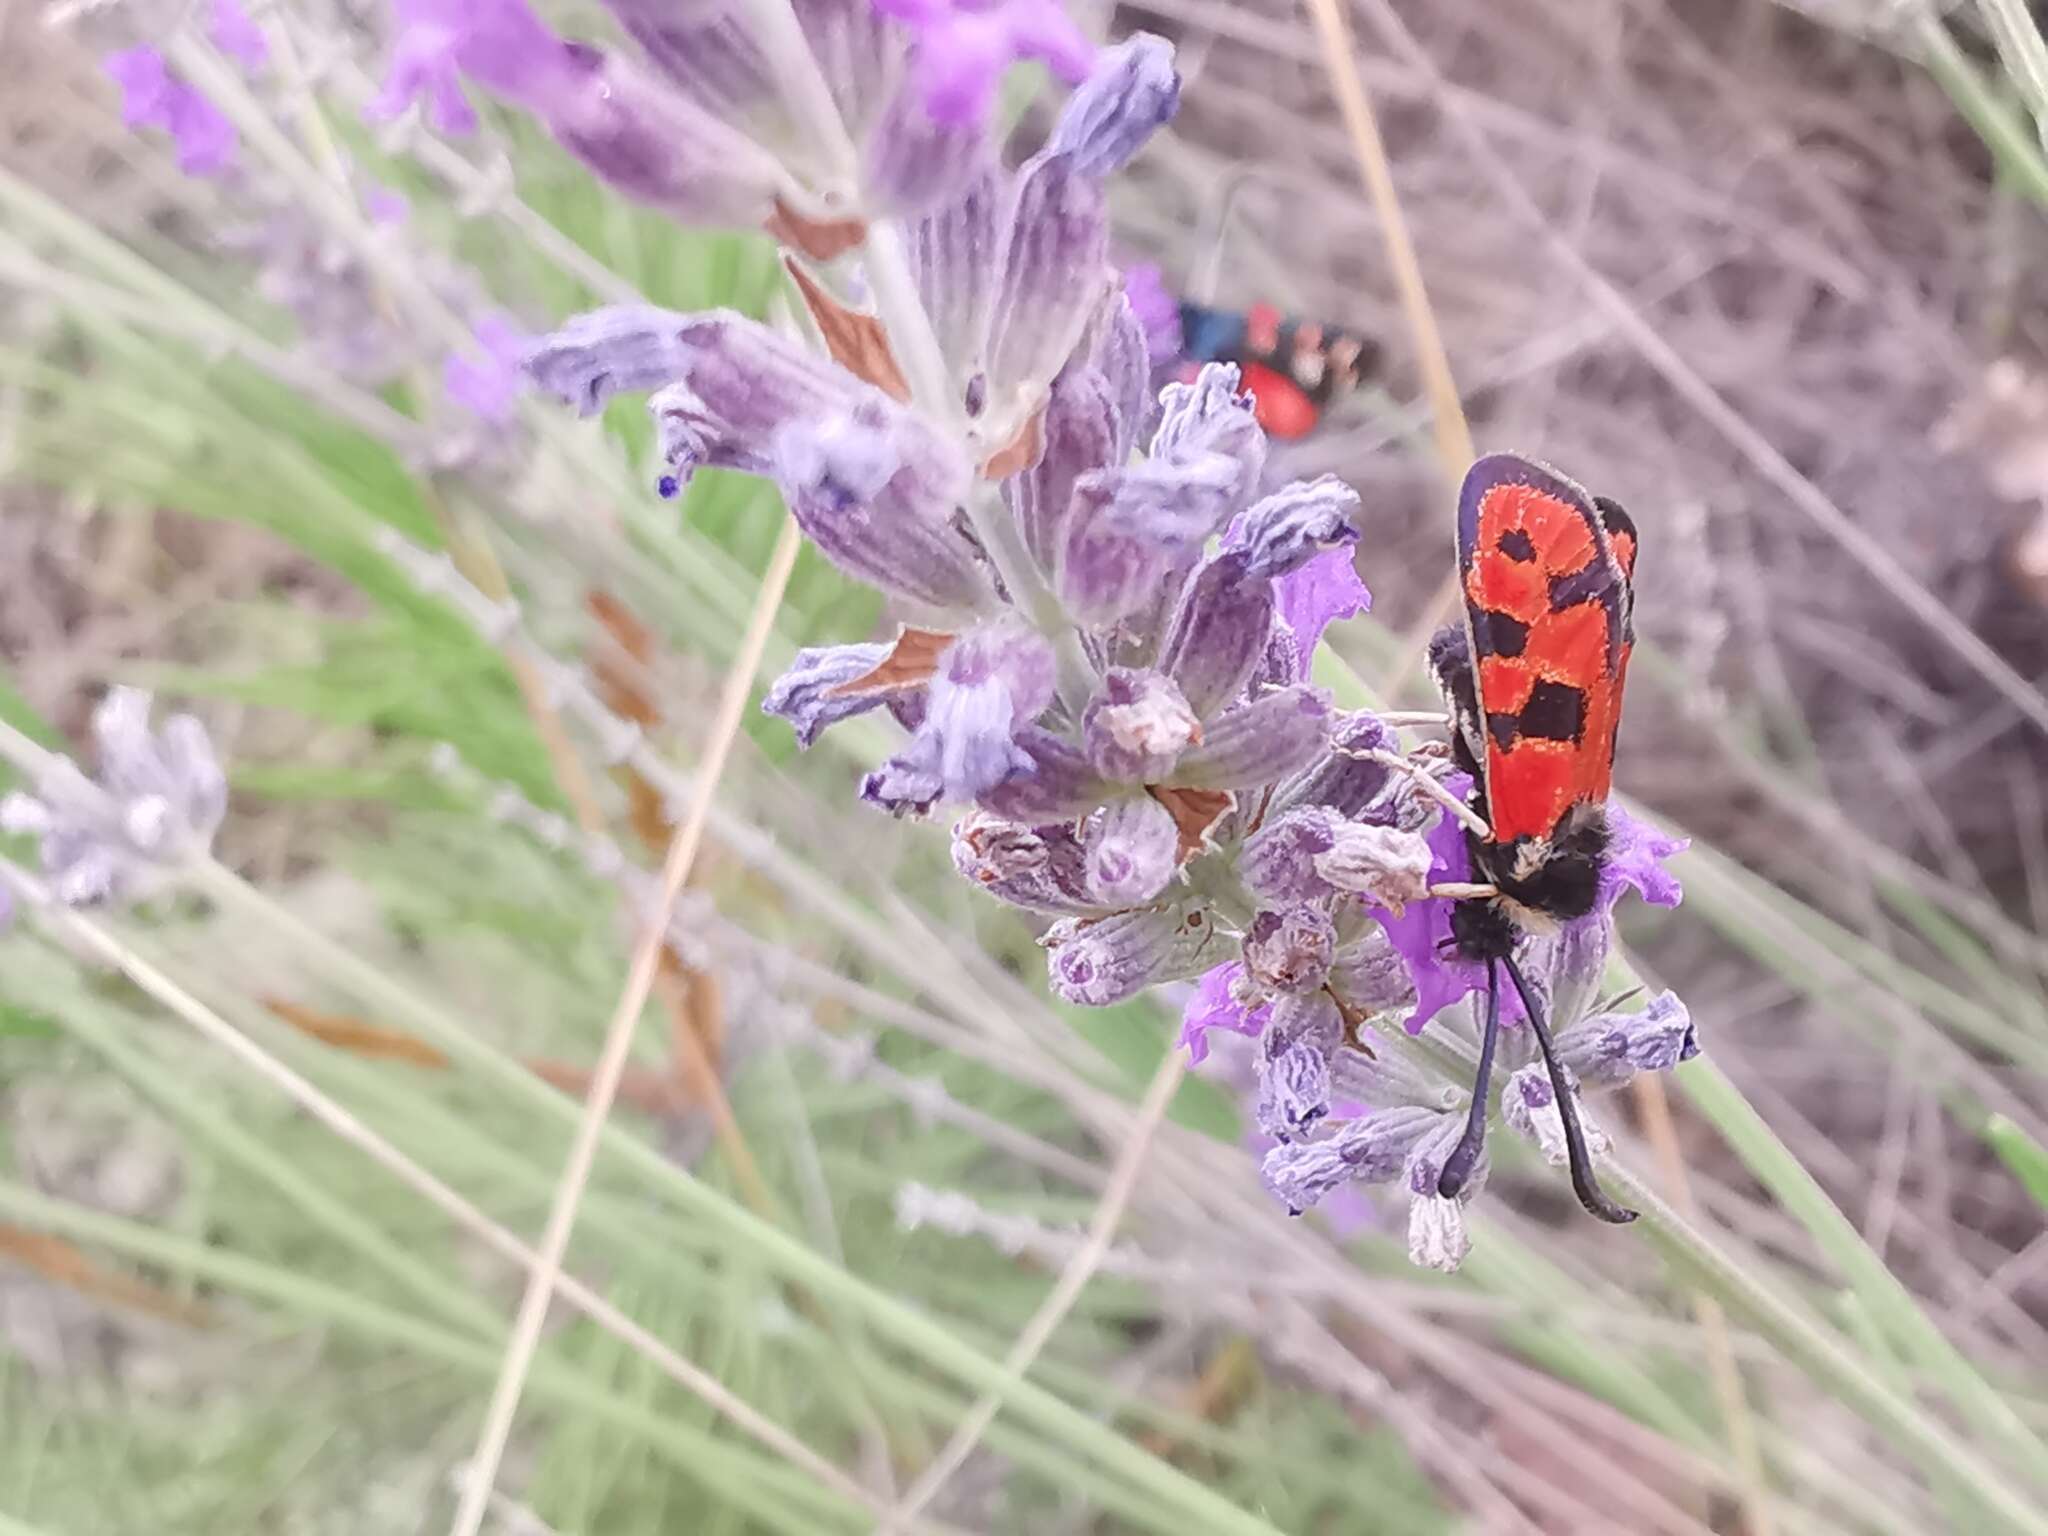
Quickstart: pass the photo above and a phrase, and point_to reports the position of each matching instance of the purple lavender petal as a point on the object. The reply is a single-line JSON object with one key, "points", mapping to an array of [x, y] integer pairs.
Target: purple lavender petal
{"points": [[501, 44], [807, 694], [963, 49], [1421, 932], [1278, 733], [1214, 1006], [627, 349], [989, 682], [1130, 94], [709, 55], [1287, 529], [1635, 854]]}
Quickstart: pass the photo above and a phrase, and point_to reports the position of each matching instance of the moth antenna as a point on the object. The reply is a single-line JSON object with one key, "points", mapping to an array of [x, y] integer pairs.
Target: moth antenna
{"points": [[1426, 782], [1464, 890], [1584, 1185], [1465, 1155]]}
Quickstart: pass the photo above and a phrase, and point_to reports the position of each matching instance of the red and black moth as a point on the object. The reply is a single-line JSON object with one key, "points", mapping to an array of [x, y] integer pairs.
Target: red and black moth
{"points": [[1533, 678], [1292, 369]]}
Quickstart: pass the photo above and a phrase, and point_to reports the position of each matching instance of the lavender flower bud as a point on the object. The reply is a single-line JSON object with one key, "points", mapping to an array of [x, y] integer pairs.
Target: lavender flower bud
{"points": [[1043, 869], [1294, 1065], [1289, 949], [1210, 418], [1286, 530], [1372, 1149], [956, 255], [1117, 348], [989, 682], [875, 488], [708, 53], [1437, 1238], [915, 163], [1096, 962], [1137, 725], [808, 696], [1080, 437], [1277, 862], [1055, 274], [1131, 93], [855, 48], [1218, 631], [1577, 957], [1058, 785], [1386, 866], [657, 147], [1133, 847], [1346, 779], [1370, 976], [1529, 1107], [1607, 1050], [1278, 733], [159, 799], [624, 349]]}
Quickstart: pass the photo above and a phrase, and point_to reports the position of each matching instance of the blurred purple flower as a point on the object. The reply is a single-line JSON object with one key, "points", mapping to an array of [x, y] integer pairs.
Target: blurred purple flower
{"points": [[499, 43], [486, 379], [963, 47], [385, 206], [235, 35], [1157, 310], [152, 96]]}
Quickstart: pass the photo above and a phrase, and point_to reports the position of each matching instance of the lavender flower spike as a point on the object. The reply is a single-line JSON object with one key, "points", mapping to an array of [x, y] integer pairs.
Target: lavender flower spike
{"points": [[159, 799], [1131, 93]]}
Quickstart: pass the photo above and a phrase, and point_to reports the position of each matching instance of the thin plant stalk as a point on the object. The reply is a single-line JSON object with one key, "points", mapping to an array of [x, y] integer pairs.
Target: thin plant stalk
{"points": [[618, 1040], [1074, 1278]]}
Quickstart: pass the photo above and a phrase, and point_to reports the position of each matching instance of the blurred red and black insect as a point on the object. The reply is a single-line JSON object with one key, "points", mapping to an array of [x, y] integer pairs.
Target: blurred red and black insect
{"points": [[1533, 679], [1293, 369]]}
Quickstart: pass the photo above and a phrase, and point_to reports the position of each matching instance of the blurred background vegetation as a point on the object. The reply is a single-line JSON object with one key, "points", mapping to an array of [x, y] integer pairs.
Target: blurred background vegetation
{"points": [[1773, 278]]}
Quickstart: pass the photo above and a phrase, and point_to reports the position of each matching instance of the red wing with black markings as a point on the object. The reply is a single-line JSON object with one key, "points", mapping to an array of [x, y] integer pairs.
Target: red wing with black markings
{"points": [[1545, 571]]}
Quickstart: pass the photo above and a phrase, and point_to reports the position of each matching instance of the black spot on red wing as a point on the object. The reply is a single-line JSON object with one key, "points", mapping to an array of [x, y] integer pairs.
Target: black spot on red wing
{"points": [[1503, 727], [1499, 634], [1555, 712], [1517, 545], [1591, 581]]}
